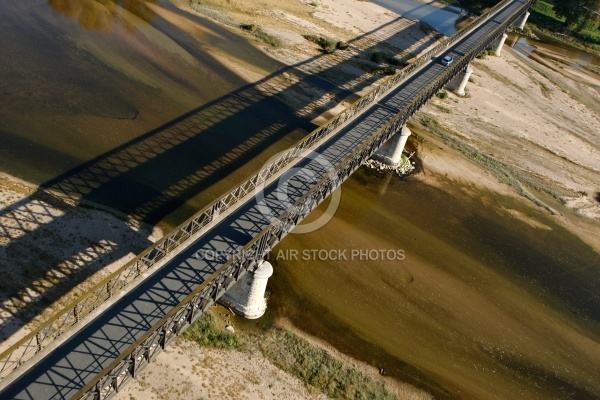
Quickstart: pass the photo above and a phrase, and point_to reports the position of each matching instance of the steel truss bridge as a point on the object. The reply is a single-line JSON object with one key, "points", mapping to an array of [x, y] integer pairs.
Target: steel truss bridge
{"points": [[94, 345]]}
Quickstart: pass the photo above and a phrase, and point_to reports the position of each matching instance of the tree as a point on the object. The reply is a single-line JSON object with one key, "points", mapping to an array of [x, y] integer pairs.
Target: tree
{"points": [[576, 12]]}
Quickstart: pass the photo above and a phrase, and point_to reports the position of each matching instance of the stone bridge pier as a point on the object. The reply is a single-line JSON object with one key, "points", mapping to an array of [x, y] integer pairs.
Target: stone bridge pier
{"points": [[498, 50], [391, 151], [523, 20], [247, 296], [460, 90]]}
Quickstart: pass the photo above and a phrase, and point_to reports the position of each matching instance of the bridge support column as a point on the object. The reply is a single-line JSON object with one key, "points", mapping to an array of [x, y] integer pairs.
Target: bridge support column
{"points": [[463, 83], [391, 151], [498, 50], [247, 296], [524, 20]]}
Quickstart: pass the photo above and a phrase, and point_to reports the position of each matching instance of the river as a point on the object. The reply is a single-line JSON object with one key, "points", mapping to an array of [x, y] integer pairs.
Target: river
{"points": [[459, 298], [466, 296], [139, 92]]}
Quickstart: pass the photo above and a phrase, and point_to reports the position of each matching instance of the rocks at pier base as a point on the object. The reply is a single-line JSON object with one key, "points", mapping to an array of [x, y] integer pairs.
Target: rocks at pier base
{"points": [[404, 168]]}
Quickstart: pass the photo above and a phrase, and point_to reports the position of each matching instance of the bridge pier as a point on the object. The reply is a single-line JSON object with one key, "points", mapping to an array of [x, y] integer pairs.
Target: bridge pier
{"points": [[391, 151], [465, 78], [498, 50], [524, 20], [247, 296]]}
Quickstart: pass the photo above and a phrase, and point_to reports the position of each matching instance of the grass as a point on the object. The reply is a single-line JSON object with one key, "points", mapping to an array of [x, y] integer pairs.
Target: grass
{"points": [[485, 53], [206, 333], [295, 355], [327, 45], [443, 109], [211, 13], [397, 62], [377, 56], [224, 19], [545, 20], [262, 35], [543, 14], [320, 369]]}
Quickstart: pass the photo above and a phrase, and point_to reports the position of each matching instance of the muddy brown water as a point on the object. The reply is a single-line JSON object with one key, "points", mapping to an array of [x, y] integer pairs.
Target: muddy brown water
{"points": [[550, 44], [466, 295], [482, 304], [87, 84]]}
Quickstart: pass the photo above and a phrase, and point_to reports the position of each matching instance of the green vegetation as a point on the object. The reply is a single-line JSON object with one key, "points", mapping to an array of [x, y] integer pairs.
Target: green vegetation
{"points": [[224, 19], [442, 95], [387, 70], [206, 333], [262, 35], [397, 62], [443, 109], [318, 368], [342, 45], [575, 22], [377, 56], [211, 13], [578, 29], [577, 14], [313, 365], [485, 53], [543, 14], [328, 45]]}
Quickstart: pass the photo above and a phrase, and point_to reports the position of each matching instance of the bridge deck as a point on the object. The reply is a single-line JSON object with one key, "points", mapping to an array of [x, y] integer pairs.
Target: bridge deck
{"points": [[78, 360]]}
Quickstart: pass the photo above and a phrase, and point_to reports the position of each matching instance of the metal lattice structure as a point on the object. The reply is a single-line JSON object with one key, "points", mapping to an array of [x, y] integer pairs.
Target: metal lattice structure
{"points": [[198, 301]]}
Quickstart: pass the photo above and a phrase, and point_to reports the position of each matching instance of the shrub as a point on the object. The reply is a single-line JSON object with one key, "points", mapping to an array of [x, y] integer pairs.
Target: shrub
{"points": [[206, 333], [318, 368], [249, 27], [442, 95], [485, 53], [377, 56], [396, 61], [267, 38], [262, 35], [327, 45], [342, 45]]}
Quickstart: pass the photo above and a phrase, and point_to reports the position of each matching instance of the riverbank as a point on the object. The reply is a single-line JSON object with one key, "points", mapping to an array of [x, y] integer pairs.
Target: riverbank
{"points": [[251, 362], [436, 318], [506, 160], [69, 247]]}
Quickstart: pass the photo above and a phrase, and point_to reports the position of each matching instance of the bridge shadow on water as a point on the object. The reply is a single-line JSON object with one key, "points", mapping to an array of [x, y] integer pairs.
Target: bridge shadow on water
{"points": [[158, 172]]}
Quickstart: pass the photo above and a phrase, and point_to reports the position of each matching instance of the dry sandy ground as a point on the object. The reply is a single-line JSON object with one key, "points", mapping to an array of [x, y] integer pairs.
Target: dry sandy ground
{"points": [[514, 113], [187, 371], [39, 228], [533, 117]]}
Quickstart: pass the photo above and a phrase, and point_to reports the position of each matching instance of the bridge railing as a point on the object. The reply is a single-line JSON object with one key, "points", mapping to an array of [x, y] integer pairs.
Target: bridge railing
{"points": [[46, 333], [197, 302]]}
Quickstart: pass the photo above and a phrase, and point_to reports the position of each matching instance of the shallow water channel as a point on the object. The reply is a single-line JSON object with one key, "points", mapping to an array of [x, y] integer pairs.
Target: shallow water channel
{"points": [[466, 296], [138, 97], [460, 297]]}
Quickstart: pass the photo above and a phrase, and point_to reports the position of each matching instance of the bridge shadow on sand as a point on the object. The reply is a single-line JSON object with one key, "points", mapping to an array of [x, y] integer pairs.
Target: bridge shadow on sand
{"points": [[218, 143]]}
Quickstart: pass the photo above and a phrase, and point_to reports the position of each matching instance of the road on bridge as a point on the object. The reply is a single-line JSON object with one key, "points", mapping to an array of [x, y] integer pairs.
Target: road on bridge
{"points": [[74, 363]]}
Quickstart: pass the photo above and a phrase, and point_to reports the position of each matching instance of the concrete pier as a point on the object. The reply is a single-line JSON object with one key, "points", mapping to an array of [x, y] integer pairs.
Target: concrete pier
{"points": [[524, 20], [391, 151], [463, 83], [500, 44], [247, 296]]}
